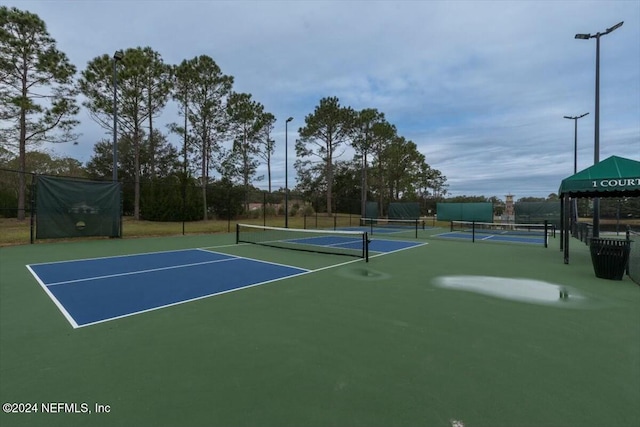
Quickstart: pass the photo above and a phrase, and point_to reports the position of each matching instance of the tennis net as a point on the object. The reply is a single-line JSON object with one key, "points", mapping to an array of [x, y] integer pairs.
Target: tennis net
{"points": [[351, 243], [393, 225], [540, 232]]}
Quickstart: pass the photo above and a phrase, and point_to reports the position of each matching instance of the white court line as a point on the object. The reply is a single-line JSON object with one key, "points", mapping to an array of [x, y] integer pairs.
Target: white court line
{"points": [[447, 233], [150, 270], [115, 256], [398, 250], [345, 243], [252, 259], [331, 245], [58, 304], [206, 248]]}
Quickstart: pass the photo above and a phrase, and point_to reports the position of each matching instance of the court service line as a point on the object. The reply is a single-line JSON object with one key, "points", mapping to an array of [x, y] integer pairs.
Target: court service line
{"points": [[330, 245], [355, 260], [397, 250], [350, 242], [189, 300], [253, 259], [359, 259], [115, 256], [130, 273], [206, 248]]}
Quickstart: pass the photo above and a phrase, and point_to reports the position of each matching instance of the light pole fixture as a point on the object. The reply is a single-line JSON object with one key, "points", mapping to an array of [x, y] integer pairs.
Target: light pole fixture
{"points": [[286, 172], [117, 56], [575, 140], [596, 137], [575, 119]]}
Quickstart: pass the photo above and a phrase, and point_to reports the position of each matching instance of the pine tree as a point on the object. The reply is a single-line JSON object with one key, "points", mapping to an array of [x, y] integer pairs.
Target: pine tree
{"points": [[37, 93]]}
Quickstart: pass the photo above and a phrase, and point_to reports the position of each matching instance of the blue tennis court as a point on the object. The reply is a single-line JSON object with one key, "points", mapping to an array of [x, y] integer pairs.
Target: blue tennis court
{"points": [[95, 290], [91, 291]]}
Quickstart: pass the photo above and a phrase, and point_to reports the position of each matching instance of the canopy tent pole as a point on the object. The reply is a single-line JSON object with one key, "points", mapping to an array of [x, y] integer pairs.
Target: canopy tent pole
{"points": [[565, 237], [562, 221]]}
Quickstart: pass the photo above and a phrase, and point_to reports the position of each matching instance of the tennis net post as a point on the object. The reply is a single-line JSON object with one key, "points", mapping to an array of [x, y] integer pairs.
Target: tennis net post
{"points": [[546, 233]]}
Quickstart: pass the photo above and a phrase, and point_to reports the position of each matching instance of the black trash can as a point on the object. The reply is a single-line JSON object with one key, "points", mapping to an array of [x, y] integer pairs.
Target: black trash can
{"points": [[609, 257]]}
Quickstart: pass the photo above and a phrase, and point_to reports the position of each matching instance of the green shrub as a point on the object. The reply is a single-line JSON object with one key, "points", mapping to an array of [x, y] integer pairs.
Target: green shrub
{"points": [[306, 210]]}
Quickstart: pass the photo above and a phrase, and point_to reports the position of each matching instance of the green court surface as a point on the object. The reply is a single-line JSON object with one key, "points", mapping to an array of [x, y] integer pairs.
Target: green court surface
{"points": [[409, 339]]}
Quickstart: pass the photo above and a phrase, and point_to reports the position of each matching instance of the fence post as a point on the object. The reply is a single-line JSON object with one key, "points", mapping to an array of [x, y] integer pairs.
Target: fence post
{"points": [[546, 235], [228, 211], [628, 238], [121, 209], [184, 201], [32, 208], [473, 231]]}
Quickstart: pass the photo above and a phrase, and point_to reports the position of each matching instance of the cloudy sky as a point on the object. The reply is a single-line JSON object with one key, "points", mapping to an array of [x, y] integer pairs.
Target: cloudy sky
{"points": [[480, 86]]}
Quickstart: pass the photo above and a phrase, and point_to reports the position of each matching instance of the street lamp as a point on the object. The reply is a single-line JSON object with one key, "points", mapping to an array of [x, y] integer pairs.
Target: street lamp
{"points": [[575, 140], [117, 56], [286, 172], [596, 138], [575, 119]]}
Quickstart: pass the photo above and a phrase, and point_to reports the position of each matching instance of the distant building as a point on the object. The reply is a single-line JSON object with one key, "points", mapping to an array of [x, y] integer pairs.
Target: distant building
{"points": [[509, 213]]}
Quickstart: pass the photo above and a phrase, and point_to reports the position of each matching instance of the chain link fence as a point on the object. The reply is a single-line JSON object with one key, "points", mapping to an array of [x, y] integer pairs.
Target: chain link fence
{"points": [[10, 181], [181, 205]]}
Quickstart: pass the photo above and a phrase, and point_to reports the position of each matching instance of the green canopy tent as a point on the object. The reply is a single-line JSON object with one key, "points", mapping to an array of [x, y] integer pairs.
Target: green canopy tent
{"points": [[612, 177]]}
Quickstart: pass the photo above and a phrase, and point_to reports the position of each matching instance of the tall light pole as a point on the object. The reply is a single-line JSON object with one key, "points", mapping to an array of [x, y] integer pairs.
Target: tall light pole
{"points": [[575, 119], [286, 172], [596, 137], [575, 140], [117, 56]]}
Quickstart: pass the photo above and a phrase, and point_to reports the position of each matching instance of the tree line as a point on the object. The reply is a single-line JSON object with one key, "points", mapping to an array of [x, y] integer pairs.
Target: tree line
{"points": [[162, 198], [222, 130]]}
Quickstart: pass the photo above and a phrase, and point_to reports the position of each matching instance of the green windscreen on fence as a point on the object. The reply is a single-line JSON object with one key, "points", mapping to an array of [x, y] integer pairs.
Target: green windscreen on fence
{"points": [[409, 210], [537, 212], [371, 210], [482, 212], [67, 207]]}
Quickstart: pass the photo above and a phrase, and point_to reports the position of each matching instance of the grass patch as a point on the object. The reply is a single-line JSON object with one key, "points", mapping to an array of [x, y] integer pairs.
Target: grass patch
{"points": [[16, 232]]}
